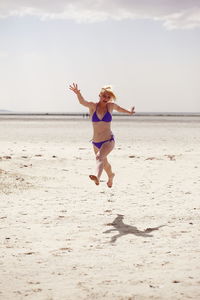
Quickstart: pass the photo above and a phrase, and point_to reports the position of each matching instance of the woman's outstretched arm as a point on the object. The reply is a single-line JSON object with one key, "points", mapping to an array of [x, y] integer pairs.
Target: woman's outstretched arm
{"points": [[123, 110], [81, 100]]}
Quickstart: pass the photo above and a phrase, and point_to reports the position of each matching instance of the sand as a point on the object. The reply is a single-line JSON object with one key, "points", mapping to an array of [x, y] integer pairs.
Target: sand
{"points": [[63, 237]]}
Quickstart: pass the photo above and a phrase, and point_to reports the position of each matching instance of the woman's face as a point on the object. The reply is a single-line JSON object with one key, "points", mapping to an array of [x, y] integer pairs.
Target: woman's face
{"points": [[104, 97]]}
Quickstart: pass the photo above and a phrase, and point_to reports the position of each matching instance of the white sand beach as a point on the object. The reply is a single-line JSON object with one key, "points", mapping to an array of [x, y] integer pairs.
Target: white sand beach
{"points": [[64, 238]]}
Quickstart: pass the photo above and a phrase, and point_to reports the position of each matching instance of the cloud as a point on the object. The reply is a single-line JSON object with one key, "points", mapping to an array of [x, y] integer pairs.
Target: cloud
{"points": [[183, 14]]}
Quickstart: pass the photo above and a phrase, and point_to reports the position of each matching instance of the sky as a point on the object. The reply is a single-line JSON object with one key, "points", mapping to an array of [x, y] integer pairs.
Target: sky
{"points": [[148, 50]]}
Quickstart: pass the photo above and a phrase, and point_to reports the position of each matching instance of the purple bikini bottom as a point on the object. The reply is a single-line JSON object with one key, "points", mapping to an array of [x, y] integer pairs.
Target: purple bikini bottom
{"points": [[99, 144]]}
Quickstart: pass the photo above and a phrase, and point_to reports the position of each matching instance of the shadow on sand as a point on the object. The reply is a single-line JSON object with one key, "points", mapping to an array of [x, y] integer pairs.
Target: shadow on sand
{"points": [[125, 229]]}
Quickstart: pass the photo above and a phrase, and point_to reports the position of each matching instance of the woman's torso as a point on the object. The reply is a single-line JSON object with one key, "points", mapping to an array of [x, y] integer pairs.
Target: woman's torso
{"points": [[101, 121]]}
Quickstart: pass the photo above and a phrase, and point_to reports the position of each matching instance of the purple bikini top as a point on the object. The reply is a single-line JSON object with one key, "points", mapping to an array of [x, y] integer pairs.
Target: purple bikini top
{"points": [[106, 118]]}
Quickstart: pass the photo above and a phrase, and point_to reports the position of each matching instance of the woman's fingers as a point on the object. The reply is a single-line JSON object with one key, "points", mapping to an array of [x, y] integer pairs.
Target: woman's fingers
{"points": [[75, 85], [71, 88], [74, 88], [133, 109]]}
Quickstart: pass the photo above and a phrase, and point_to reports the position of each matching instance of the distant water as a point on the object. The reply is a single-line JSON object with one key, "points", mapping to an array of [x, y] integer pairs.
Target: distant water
{"points": [[138, 117], [85, 114]]}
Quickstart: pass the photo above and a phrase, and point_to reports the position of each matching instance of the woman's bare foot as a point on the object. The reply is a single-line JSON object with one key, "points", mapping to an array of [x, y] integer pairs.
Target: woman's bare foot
{"points": [[110, 180], [95, 179]]}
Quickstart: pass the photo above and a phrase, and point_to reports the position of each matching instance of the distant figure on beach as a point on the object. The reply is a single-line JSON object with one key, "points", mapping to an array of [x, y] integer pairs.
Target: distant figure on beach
{"points": [[103, 138]]}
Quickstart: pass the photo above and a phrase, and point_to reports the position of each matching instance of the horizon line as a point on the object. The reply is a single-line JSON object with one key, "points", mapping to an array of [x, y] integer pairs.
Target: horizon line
{"points": [[86, 114]]}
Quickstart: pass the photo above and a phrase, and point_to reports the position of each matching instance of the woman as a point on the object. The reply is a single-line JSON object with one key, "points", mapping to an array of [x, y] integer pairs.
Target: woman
{"points": [[103, 139]]}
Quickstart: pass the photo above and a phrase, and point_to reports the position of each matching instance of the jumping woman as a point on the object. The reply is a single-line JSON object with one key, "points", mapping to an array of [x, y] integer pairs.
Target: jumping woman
{"points": [[103, 138]]}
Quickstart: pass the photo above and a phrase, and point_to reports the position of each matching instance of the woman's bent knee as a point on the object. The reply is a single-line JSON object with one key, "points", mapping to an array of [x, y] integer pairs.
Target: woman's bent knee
{"points": [[100, 158]]}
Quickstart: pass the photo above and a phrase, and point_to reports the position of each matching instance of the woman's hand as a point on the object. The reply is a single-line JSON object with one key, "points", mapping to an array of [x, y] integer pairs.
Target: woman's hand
{"points": [[132, 110], [74, 88]]}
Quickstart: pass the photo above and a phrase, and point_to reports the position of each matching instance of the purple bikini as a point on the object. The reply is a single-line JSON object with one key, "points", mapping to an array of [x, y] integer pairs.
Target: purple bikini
{"points": [[106, 118]]}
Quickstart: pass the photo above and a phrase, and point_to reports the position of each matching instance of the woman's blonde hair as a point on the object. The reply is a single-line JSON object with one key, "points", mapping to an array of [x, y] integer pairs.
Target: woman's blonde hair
{"points": [[108, 89]]}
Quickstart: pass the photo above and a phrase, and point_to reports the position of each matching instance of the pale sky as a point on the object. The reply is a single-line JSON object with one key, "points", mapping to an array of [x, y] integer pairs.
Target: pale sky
{"points": [[148, 50]]}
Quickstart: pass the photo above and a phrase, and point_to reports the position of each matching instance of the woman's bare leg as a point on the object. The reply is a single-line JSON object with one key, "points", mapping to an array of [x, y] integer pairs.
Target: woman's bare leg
{"points": [[93, 177], [102, 162], [108, 169]]}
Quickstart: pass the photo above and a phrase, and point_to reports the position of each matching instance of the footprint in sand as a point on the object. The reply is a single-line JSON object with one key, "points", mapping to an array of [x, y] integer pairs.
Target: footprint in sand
{"points": [[29, 253], [31, 282], [61, 251], [151, 158], [171, 157], [66, 249]]}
